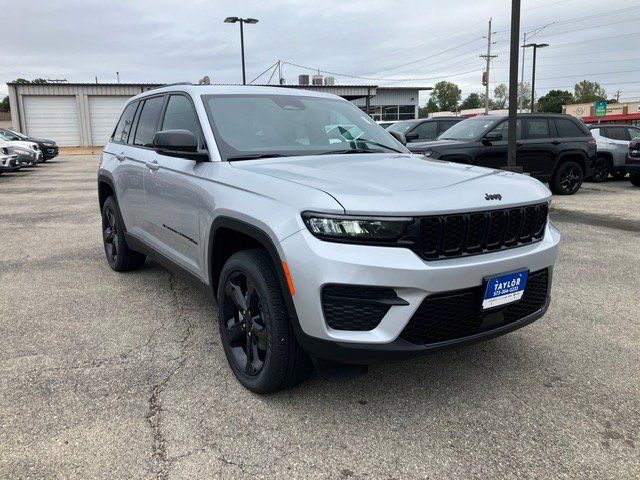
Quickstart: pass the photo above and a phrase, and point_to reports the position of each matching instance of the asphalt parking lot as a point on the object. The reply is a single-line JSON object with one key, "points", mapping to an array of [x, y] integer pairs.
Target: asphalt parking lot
{"points": [[107, 375]]}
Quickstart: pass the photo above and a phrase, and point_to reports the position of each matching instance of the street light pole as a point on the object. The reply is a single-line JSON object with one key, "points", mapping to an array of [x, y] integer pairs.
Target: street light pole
{"points": [[242, 21], [535, 47]]}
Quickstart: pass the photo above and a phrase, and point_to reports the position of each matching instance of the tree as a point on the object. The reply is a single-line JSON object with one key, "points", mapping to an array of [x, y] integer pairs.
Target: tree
{"points": [[587, 92], [524, 95], [430, 107], [501, 94], [4, 104], [473, 100], [553, 101], [21, 80], [446, 96], [39, 80]]}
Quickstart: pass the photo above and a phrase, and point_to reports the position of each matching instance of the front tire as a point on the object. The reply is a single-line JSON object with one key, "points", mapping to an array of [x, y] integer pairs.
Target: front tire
{"points": [[119, 256], [258, 340], [635, 179], [567, 179]]}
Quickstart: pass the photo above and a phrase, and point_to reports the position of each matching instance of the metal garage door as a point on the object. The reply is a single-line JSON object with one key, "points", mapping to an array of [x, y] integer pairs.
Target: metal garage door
{"points": [[52, 117], [104, 112]]}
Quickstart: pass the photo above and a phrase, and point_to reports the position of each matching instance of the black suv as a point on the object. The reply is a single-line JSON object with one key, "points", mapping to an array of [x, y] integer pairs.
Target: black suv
{"points": [[424, 129], [49, 147], [553, 148]]}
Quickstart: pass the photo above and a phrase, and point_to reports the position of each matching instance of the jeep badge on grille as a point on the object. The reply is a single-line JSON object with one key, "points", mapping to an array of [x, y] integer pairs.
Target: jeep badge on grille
{"points": [[492, 196]]}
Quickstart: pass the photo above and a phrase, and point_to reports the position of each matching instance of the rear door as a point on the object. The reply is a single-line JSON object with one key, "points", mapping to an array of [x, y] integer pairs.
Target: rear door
{"points": [[172, 187], [128, 171], [618, 138], [426, 131], [444, 125], [539, 147]]}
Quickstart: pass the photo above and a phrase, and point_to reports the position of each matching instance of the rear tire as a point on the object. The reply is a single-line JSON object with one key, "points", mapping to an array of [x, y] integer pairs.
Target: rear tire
{"points": [[119, 256], [567, 179], [601, 170], [635, 179], [255, 332]]}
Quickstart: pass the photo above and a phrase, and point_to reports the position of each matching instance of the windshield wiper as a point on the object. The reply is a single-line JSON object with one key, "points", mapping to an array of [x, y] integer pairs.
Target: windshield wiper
{"points": [[377, 144], [254, 156], [346, 150]]}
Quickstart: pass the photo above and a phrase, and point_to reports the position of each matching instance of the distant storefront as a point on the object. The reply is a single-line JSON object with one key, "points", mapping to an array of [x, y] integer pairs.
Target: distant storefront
{"points": [[623, 112]]}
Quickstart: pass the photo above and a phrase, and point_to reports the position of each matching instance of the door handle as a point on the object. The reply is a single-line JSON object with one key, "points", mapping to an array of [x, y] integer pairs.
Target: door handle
{"points": [[120, 157], [518, 144], [153, 165], [555, 142]]}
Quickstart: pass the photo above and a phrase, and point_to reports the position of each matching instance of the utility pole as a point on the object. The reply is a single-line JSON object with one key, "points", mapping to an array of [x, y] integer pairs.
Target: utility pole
{"points": [[513, 87], [617, 95], [521, 86], [488, 57], [280, 79]]}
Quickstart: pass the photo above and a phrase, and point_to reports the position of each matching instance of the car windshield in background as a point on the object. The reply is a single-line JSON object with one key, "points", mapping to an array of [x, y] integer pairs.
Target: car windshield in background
{"points": [[468, 129], [261, 126], [402, 127], [18, 134]]}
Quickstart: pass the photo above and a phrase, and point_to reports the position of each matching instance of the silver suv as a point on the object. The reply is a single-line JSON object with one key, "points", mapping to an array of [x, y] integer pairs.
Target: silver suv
{"points": [[324, 241], [613, 145]]}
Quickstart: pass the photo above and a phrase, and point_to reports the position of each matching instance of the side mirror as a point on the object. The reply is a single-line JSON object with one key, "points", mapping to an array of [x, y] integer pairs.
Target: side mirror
{"points": [[411, 136], [399, 137], [178, 143], [492, 137]]}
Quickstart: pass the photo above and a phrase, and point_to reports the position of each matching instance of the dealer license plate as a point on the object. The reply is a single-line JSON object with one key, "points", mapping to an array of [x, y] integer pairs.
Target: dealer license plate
{"points": [[503, 289]]}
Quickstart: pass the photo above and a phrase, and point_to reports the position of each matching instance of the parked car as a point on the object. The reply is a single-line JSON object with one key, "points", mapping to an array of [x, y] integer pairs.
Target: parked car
{"points": [[49, 147], [22, 145], [321, 248], [613, 145], [632, 162], [553, 148], [386, 123], [424, 129], [7, 160], [26, 157]]}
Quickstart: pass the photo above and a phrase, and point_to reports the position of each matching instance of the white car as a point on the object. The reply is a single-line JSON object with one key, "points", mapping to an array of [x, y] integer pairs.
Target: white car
{"points": [[7, 160], [6, 142]]}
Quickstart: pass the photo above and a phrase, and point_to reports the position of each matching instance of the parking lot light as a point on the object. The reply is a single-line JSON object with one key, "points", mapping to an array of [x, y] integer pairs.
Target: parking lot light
{"points": [[242, 21], [535, 47]]}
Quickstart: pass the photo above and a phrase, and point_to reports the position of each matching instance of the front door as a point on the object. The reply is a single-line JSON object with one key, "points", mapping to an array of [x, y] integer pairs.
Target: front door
{"points": [[539, 147], [494, 154], [172, 192]]}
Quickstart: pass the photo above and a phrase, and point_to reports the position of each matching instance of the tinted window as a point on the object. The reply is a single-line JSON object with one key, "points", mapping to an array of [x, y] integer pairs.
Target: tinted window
{"points": [[538, 128], [180, 115], [503, 128], [121, 133], [401, 127], [567, 128], [469, 129], [148, 123], [444, 126], [634, 132], [616, 133], [426, 130]]}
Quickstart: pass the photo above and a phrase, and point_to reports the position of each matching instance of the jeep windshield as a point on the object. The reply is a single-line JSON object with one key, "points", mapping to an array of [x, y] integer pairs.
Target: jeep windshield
{"points": [[248, 127], [469, 129]]}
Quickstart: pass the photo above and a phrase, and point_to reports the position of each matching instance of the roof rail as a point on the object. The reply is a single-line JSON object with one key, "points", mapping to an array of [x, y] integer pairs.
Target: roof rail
{"points": [[171, 85]]}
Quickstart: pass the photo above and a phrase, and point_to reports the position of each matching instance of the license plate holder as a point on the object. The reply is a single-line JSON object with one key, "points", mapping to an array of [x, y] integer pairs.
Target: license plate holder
{"points": [[504, 289]]}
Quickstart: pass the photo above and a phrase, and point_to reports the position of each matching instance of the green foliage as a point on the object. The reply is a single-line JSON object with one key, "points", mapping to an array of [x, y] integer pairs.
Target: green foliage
{"points": [[39, 80], [446, 96], [501, 94], [587, 92], [21, 80], [430, 107], [553, 101], [4, 104], [473, 100]]}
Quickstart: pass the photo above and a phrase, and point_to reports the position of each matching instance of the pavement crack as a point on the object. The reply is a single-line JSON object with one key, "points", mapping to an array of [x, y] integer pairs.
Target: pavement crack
{"points": [[160, 461]]}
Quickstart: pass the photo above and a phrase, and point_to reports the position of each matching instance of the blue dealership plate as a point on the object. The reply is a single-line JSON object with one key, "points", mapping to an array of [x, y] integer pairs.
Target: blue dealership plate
{"points": [[503, 289]]}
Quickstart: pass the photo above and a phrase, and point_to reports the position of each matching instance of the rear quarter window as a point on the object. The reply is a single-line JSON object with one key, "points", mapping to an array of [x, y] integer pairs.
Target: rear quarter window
{"points": [[568, 128], [121, 132]]}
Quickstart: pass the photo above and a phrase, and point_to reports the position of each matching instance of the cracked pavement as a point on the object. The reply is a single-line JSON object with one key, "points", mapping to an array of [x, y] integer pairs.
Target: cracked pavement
{"points": [[107, 375]]}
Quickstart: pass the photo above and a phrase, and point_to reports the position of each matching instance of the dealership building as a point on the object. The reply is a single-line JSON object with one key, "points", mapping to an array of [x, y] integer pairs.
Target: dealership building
{"points": [[84, 114]]}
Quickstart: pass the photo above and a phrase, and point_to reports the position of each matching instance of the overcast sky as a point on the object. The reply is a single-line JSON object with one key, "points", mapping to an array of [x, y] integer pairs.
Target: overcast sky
{"points": [[392, 42]]}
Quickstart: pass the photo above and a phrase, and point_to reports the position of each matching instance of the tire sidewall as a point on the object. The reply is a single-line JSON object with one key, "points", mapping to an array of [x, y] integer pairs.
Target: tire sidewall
{"points": [[111, 205], [565, 166]]}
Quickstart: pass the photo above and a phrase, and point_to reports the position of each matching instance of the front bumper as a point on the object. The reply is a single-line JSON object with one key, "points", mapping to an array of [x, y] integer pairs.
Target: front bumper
{"points": [[631, 164], [314, 263], [49, 152]]}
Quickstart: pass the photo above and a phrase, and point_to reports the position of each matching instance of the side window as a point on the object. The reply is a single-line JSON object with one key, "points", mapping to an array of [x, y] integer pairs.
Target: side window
{"points": [[444, 126], [538, 128], [427, 130], [180, 115], [148, 122], [616, 133], [634, 132], [567, 128], [121, 133], [503, 128]]}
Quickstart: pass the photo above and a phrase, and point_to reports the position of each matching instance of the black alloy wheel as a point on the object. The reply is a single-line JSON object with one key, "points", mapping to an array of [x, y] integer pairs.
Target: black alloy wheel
{"points": [[110, 235], [601, 171], [567, 178], [245, 326]]}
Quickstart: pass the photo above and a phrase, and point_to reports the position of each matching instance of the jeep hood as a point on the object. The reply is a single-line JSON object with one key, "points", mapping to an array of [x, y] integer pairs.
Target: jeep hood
{"points": [[439, 145], [401, 183]]}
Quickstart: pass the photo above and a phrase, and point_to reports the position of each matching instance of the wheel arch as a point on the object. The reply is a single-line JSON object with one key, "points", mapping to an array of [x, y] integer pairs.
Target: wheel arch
{"points": [[106, 189], [573, 155]]}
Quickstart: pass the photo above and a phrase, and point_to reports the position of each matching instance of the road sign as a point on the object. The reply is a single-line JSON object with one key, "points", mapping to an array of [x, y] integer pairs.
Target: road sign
{"points": [[601, 109]]}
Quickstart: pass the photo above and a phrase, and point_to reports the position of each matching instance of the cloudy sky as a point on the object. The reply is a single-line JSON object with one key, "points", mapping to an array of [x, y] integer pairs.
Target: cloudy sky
{"points": [[381, 42]]}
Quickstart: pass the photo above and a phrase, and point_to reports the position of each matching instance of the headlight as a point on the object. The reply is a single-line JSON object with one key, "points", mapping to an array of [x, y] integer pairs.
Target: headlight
{"points": [[427, 153], [356, 229]]}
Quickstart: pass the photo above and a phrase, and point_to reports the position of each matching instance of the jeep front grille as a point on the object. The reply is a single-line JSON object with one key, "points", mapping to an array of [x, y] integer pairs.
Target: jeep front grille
{"points": [[457, 235]]}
